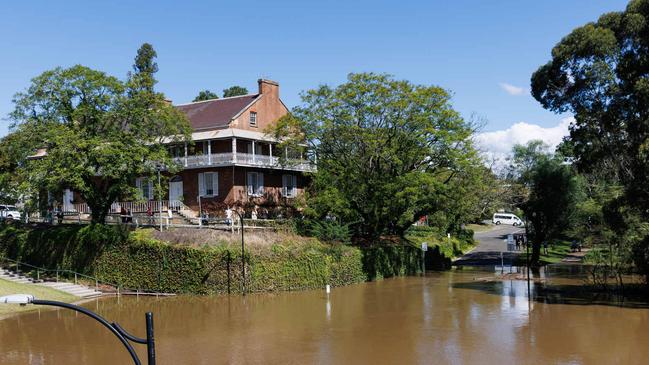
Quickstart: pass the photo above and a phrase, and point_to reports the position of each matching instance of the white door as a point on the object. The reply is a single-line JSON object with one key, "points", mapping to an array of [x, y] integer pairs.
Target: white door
{"points": [[68, 197], [175, 190]]}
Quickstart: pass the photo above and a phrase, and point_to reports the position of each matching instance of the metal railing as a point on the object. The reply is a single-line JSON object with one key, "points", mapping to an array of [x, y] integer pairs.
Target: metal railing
{"points": [[141, 207], [37, 273], [41, 272], [249, 159]]}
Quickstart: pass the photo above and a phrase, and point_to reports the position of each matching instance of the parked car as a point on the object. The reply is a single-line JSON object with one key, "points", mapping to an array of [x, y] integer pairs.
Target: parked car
{"points": [[9, 212], [507, 218]]}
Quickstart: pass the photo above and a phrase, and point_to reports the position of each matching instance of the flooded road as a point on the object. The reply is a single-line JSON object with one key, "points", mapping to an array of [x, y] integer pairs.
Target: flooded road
{"points": [[444, 318]]}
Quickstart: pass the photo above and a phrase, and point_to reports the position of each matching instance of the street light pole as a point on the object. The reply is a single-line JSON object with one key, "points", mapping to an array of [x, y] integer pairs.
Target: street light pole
{"points": [[159, 196], [527, 249], [121, 334]]}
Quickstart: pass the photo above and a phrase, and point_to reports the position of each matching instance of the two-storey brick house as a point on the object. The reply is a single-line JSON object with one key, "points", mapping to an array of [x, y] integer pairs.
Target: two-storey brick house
{"points": [[231, 162]]}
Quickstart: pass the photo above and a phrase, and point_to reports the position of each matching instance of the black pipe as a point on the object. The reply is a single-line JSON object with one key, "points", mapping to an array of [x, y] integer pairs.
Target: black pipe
{"points": [[116, 329], [150, 342], [243, 257], [96, 317]]}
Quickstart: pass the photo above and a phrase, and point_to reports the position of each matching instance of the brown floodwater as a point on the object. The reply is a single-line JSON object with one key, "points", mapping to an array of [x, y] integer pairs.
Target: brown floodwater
{"points": [[445, 318]]}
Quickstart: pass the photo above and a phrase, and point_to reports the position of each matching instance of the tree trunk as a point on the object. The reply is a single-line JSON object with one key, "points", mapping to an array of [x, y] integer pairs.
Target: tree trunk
{"points": [[98, 212], [99, 207], [536, 252]]}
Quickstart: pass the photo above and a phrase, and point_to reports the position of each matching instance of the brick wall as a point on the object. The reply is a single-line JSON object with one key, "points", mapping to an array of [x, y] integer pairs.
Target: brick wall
{"points": [[269, 108]]}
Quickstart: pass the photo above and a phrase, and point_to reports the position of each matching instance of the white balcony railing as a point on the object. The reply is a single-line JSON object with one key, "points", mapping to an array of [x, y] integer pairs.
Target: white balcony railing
{"points": [[247, 159], [141, 207]]}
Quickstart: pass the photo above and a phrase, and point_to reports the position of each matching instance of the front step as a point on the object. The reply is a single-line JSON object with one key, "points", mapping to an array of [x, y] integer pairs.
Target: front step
{"points": [[77, 290]]}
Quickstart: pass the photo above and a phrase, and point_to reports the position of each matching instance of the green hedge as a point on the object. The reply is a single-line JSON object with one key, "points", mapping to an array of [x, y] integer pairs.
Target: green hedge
{"points": [[441, 252], [137, 261]]}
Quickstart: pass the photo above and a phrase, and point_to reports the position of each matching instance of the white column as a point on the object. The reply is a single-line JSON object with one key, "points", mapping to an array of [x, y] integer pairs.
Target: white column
{"points": [[185, 154], [209, 152], [234, 150], [253, 152], [270, 153]]}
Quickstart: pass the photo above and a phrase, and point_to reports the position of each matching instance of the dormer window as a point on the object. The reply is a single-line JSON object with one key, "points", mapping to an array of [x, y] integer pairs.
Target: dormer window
{"points": [[253, 119]]}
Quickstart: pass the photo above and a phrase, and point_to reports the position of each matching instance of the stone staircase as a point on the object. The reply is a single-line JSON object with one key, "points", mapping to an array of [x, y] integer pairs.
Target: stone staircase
{"points": [[77, 290]]}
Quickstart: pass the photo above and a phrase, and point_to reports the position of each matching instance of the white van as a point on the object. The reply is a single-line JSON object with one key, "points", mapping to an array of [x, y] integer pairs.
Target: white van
{"points": [[9, 212], [506, 218]]}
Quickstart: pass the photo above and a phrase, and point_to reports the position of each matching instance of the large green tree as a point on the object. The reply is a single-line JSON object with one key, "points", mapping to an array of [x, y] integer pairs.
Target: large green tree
{"points": [[100, 133], [205, 95], [599, 73], [234, 91], [551, 207], [552, 191], [387, 151]]}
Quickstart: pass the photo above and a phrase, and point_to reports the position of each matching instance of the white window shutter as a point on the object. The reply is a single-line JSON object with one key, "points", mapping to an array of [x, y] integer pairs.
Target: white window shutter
{"points": [[294, 185], [260, 179], [201, 184], [215, 183]]}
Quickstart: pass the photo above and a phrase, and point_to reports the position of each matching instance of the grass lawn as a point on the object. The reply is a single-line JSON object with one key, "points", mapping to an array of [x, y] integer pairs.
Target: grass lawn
{"points": [[40, 292], [557, 250], [479, 227]]}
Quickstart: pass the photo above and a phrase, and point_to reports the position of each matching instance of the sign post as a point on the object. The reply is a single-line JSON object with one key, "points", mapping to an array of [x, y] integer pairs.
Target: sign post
{"points": [[424, 248]]}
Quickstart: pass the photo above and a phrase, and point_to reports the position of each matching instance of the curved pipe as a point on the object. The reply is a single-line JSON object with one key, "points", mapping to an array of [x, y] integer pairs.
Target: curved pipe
{"points": [[96, 317]]}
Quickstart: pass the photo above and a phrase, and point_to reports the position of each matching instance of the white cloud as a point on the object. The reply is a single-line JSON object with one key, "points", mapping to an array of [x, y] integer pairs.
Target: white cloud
{"points": [[498, 145], [511, 89]]}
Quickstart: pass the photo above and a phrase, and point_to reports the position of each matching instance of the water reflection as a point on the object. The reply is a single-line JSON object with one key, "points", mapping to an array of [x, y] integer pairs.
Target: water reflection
{"points": [[452, 317]]}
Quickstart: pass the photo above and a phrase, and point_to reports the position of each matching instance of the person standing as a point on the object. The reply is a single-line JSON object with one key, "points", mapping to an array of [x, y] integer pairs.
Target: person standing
{"points": [[545, 248], [149, 214], [228, 216]]}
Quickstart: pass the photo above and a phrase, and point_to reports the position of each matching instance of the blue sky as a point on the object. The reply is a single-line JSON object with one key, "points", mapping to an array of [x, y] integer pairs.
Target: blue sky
{"points": [[473, 48]]}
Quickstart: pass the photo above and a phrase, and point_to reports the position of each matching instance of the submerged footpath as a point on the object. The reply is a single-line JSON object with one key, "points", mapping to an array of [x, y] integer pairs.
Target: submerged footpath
{"points": [[210, 262]]}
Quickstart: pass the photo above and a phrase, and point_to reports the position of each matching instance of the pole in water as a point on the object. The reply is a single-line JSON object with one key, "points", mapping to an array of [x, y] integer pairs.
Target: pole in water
{"points": [[328, 289], [150, 342], [424, 248]]}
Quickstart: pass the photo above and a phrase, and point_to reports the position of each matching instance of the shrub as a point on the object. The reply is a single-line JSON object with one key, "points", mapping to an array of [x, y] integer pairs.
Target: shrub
{"points": [[137, 260]]}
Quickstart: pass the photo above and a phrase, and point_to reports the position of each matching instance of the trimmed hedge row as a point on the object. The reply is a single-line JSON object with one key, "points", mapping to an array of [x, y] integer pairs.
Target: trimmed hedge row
{"points": [[137, 261]]}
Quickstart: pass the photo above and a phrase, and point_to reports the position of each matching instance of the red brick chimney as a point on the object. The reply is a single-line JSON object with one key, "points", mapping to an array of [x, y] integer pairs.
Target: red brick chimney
{"points": [[268, 87]]}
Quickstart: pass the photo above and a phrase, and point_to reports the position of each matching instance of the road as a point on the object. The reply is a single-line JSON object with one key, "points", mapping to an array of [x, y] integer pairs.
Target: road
{"points": [[490, 244]]}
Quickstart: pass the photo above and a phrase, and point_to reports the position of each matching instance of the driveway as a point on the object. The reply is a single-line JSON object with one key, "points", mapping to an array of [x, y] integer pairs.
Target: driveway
{"points": [[490, 244]]}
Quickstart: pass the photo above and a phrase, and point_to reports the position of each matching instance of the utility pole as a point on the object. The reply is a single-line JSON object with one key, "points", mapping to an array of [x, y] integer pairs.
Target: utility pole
{"points": [[527, 249], [159, 196]]}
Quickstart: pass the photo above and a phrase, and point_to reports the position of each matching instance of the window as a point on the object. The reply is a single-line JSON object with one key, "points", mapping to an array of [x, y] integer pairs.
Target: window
{"points": [[257, 148], [145, 187], [255, 183], [289, 186], [253, 119], [208, 184]]}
